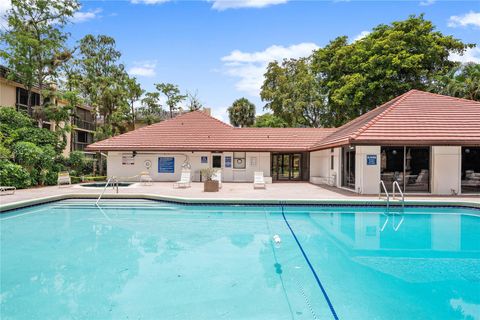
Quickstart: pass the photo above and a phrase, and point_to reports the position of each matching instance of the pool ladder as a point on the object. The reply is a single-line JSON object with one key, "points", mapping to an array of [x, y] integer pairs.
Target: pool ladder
{"points": [[113, 181], [395, 185]]}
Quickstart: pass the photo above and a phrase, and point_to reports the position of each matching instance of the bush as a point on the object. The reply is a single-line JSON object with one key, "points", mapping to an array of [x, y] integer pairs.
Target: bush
{"points": [[12, 174], [81, 164], [40, 137]]}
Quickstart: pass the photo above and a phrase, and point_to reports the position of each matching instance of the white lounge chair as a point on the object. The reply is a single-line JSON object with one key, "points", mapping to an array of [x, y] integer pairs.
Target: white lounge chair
{"points": [[259, 181], [217, 176], [64, 178], [4, 190], [145, 178], [184, 180]]}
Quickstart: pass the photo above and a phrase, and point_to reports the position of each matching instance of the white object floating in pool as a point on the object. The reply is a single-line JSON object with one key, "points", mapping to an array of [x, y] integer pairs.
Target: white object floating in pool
{"points": [[276, 239]]}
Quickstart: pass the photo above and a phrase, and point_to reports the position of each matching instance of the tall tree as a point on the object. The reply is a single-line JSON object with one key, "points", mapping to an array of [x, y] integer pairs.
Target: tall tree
{"points": [[269, 120], [35, 44], [462, 82], [293, 94], [134, 92], [352, 78], [151, 110], [194, 102], [242, 113], [173, 95], [104, 83]]}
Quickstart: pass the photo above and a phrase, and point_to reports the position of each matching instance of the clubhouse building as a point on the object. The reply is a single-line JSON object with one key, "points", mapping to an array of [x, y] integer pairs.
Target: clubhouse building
{"points": [[427, 142]]}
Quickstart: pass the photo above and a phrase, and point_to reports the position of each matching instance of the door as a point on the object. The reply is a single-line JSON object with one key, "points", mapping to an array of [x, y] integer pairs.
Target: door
{"points": [[286, 166], [216, 161]]}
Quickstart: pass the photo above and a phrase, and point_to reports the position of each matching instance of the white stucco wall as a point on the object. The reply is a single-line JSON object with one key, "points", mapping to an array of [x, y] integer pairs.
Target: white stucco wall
{"points": [[320, 166], [255, 161], [367, 177], [446, 169]]}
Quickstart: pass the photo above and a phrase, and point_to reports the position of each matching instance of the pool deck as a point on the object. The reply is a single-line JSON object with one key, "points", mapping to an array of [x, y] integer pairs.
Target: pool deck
{"points": [[230, 192]]}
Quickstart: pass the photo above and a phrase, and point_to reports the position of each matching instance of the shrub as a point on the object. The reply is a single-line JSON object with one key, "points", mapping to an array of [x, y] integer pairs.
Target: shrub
{"points": [[12, 174], [39, 136]]}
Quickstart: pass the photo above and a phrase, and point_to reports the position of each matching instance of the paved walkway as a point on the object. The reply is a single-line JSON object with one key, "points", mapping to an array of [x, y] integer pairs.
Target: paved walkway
{"points": [[243, 191]]}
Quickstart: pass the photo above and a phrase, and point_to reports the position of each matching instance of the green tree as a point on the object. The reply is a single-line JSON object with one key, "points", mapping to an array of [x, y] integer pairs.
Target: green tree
{"points": [[173, 95], [151, 110], [462, 82], [293, 94], [133, 93], [35, 45], [269, 120], [343, 80], [103, 82], [194, 102], [242, 113]]}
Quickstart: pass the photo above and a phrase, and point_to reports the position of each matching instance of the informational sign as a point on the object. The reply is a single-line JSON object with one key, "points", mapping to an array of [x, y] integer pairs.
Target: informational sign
{"points": [[166, 165], [128, 159], [228, 162], [204, 159], [371, 159]]}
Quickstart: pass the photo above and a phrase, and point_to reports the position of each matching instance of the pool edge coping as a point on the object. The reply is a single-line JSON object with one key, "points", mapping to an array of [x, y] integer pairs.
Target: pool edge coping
{"points": [[193, 201]]}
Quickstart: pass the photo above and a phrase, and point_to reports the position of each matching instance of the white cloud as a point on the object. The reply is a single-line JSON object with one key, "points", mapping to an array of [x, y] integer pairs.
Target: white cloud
{"points": [[470, 55], [235, 4], [471, 18], [427, 2], [149, 1], [143, 69], [361, 35], [80, 16], [250, 67]]}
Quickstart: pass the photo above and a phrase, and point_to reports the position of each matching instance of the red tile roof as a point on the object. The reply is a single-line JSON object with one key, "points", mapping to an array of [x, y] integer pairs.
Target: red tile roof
{"points": [[197, 131], [414, 118]]}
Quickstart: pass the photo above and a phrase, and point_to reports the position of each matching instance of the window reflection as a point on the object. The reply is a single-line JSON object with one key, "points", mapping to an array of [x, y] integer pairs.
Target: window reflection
{"points": [[470, 170]]}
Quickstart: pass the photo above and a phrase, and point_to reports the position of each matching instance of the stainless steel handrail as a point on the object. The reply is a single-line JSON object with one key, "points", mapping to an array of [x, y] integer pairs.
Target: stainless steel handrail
{"points": [[395, 183], [382, 184], [114, 184]]}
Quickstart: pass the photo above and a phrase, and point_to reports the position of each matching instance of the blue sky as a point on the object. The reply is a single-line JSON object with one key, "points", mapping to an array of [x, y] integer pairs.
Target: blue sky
{"points": [[219, 48]]}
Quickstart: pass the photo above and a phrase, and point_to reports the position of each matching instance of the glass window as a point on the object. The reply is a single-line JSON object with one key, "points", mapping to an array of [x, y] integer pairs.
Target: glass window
{"points": [[470, 170], [239, 161], [216, 161], [409, 166], [332, 161], [417, 169], [348, 167]]}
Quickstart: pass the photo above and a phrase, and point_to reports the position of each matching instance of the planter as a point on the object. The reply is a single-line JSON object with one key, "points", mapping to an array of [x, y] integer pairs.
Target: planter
{"points": [[210, 186]]}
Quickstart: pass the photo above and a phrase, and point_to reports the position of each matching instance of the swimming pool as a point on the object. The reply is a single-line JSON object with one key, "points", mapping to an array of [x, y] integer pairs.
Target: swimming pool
{"points": [[137, 259]]}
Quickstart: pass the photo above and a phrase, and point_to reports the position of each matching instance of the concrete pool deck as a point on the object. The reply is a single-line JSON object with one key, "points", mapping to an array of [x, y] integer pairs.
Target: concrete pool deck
{"points": [[229, 192]]}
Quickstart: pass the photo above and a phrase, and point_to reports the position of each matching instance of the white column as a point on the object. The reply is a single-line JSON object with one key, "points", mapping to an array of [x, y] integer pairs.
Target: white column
{"points": [[367, 174], [446, 169]]}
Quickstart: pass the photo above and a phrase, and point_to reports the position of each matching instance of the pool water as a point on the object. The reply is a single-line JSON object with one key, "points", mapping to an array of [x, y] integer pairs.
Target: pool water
{"points": [[137, 259]]}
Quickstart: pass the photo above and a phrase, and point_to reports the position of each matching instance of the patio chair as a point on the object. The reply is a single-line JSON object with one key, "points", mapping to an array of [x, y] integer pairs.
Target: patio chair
{"points": [[145, 178], [5, 190], [217, 176], [184, 180], [64, 178], [259, 180]]}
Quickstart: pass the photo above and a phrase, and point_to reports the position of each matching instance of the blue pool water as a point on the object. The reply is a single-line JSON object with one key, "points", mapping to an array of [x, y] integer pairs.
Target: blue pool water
{"points": [[150, 260]]}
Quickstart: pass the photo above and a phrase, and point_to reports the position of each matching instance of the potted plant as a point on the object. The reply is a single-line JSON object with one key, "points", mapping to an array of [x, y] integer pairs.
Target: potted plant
{"points": [[209, 185]]}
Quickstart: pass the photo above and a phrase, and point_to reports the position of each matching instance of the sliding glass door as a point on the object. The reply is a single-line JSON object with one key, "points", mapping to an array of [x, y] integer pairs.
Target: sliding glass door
{"points": [[409, 166], [471, 170], [348, 167], [286, 166]]}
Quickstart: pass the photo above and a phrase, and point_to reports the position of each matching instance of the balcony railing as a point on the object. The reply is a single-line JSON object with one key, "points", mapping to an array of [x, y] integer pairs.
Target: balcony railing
{"points": [[79, 146], [82, 124]]}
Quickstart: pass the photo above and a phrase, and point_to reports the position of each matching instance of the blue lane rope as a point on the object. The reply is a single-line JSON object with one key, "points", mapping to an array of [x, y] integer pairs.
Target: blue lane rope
{"points": [[325, 295]]}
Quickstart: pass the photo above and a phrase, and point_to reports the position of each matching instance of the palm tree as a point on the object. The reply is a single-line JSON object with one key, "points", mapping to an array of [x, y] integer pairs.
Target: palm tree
{"points": [[242, 113]]}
